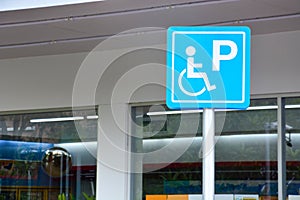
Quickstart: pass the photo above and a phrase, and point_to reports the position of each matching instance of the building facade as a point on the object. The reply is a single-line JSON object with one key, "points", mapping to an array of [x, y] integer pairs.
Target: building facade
{"points": [[93, 124]]}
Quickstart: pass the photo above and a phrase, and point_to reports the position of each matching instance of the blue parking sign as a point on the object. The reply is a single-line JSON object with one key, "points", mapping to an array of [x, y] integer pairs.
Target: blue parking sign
{"points": [[208, 67]]}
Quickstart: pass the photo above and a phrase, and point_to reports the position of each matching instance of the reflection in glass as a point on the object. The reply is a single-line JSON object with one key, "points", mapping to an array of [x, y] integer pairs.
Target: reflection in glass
{"points": [[246, 151], [292, 111], [35, 156], [57, 162]]}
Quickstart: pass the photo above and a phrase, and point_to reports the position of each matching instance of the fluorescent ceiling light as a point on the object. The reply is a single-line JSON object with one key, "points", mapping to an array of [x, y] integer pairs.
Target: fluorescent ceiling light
{"points": [[176, 112], [92, 117], [9, 5], [58, 119], [262, 107], [61, 119], [292, 106], [11, 129]]}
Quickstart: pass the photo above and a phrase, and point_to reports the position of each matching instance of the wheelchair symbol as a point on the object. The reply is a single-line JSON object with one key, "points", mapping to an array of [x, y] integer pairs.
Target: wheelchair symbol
{"points": [[191, 65]]}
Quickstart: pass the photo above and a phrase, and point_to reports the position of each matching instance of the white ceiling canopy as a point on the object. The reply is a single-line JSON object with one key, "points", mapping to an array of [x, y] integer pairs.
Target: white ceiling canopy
{"points": [[9, 5], [80, 27]]}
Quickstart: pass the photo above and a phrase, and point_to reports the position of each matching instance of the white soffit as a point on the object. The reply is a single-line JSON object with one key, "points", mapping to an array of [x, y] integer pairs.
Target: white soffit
{"points": [[78, 28]]}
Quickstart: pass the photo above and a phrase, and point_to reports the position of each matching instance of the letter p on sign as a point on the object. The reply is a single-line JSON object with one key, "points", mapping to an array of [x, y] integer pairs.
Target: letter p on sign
{"points": [[217, 56]]}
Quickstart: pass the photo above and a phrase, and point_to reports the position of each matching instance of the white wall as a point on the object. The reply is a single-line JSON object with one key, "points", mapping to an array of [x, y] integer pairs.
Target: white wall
{"points": [[37, 82], [47, 81], [275, 63]]}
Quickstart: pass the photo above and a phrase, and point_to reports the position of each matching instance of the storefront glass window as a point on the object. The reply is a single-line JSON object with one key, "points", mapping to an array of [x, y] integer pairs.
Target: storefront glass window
{"points": [[48, 155], [170, 144], [246, 151], [292, 110]]}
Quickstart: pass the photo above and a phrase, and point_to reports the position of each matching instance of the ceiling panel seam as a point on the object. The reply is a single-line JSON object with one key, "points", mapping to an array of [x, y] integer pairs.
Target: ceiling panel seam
{"points": [[102, 37]]}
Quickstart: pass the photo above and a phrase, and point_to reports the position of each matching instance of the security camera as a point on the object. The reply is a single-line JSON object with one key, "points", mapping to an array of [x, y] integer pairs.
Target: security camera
{"points": [[288, 140], [289, 144]]}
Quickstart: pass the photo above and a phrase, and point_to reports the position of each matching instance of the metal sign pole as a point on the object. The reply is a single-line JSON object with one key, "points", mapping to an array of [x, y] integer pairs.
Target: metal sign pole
{"points": [[208, 147], [218, 90]]}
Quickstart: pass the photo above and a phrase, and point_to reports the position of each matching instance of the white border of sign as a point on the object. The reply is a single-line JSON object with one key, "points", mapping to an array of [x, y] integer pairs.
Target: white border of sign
{"points": [[244, 67]]}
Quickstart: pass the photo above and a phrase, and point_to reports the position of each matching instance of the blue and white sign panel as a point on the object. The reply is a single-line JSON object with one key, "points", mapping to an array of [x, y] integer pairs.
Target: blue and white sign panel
{"points": [[208, 67]]}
